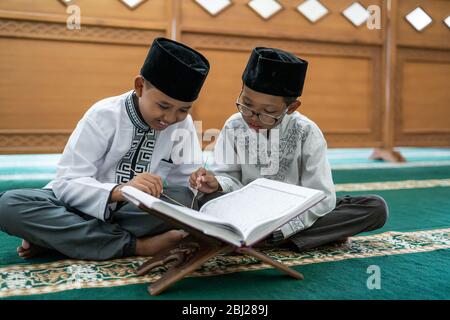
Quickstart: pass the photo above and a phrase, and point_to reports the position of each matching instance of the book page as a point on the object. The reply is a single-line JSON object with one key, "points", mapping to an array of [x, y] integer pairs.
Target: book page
{"points": [[137, 197], [252, 205], [209, 225]]}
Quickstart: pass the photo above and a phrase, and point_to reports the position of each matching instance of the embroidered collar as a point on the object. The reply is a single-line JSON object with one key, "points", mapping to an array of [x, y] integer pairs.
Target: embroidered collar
{"points": [[135, 114]]}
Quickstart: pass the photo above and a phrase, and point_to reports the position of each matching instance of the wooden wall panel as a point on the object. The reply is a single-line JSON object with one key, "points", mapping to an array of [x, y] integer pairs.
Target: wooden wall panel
{"points": [[344, 89], [51, 75], [341, 92], [50, 84], [222, 87], [346, 104], [425, 99], [422, 71], [422, 111]]}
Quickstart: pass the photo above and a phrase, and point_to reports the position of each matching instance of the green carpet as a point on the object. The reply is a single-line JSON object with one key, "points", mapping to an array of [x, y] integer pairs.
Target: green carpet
{"points": [[391, 174], [413, 261]]}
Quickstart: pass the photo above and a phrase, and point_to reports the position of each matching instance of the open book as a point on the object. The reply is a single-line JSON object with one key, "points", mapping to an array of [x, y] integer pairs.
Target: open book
{"points": [[242, 217]]}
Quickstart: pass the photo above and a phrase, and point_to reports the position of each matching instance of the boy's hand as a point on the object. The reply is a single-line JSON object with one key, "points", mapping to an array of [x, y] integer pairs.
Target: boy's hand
{"points": [[146, 182], [204, 181]]}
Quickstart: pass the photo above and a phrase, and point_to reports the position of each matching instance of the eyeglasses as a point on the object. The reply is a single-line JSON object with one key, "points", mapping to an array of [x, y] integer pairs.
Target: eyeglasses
{"points": [[263, 117]]}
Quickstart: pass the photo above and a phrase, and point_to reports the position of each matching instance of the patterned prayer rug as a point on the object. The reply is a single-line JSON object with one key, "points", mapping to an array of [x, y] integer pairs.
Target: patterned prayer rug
{"points": [[22, 280]]}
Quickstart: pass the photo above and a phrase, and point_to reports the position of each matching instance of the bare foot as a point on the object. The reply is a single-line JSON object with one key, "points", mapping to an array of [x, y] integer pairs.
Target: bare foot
{"points": [[150, 246], [387, 155], [28, 250]]}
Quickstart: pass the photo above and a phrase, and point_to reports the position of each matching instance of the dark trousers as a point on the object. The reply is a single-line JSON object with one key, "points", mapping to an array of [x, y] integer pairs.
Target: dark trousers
{"points": [[352, 215], [37, 216]]}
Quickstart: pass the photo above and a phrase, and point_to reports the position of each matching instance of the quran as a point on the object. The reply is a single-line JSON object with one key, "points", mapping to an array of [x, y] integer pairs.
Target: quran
{"points": [[240, 218]]}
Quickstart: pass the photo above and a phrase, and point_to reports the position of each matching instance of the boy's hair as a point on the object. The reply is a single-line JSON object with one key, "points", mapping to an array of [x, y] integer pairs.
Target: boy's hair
{"points": [[289, 100], [147, 83]]}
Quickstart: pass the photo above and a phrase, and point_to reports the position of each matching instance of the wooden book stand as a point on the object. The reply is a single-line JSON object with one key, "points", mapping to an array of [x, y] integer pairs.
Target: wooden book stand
{"points": [[192, 252]]}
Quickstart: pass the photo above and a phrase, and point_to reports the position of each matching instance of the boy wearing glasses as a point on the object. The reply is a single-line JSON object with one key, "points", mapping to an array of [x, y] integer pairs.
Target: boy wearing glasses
{"points": [[269, 138]]}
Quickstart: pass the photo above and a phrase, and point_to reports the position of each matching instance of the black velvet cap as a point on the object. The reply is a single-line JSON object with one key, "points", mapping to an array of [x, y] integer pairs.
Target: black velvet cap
{"points": [[275, 72], [175, 69]]}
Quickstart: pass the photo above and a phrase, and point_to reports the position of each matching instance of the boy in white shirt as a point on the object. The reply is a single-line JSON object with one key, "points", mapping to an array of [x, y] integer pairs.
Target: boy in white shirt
{"points": [[268, 138], [129, 139]]}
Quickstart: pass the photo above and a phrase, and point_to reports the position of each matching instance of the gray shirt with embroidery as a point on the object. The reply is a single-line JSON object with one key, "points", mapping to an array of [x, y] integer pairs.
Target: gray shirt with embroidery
{"points": [[293, 152]]}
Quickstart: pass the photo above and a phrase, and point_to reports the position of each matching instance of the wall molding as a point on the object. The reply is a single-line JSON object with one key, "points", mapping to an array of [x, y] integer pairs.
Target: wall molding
{"points": [[88, 33], [337, 137], [33, 141]]}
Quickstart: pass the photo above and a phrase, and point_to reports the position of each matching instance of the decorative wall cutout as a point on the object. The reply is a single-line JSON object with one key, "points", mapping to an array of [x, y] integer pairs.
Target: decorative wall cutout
{"points": [[313, 10], [132, 4], [447, 21], [214, 7], [356, 14], [265, 8], [66, 2], [419, 19]]}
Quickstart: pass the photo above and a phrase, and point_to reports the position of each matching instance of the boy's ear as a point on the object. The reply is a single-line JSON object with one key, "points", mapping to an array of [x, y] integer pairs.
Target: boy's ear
{"points": [[138, 86], [294, 106]]}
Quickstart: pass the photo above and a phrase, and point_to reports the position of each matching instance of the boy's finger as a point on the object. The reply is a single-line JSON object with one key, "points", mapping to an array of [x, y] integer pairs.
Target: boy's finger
{"points": [[160, 186], [160, 182], [207, 178], [200, 181], [210, 180], [155, 180], [143, 188], [152, 188], [158, 189], [201, 172], [147, 177]]}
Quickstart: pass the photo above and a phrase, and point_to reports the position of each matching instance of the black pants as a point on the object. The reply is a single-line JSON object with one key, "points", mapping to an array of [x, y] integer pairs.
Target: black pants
{"points": [[352, 215]]}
